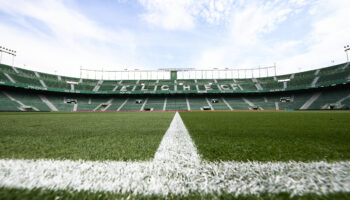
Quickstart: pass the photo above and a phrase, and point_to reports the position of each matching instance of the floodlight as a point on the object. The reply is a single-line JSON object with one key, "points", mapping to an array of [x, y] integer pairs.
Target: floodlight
{"points": [[346, 49]]}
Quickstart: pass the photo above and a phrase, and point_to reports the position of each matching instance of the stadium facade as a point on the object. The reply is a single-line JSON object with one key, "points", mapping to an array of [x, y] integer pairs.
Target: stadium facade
{"points": [[26, 90]]}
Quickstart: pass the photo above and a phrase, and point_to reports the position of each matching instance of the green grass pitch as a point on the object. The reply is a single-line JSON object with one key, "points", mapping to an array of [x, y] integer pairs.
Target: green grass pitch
{"points": [[241, 136], [87, 136], [270, 136]]}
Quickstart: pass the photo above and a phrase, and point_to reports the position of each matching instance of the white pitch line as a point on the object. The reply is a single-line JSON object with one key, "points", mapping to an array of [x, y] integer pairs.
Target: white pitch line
{"points": [[176, 145], [177, 169]]}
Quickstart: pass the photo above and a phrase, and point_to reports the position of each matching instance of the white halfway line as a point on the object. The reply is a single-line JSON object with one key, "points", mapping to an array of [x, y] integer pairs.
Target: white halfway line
{"points": [[178, 169]]}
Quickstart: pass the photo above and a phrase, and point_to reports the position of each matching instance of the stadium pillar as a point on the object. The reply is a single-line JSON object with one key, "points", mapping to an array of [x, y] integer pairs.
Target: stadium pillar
{"points": [[267, 72], [275, 68], [13, 60]]}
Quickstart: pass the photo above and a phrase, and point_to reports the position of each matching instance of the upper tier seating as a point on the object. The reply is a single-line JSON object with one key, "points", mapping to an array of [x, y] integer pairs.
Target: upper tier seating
{"points": [[3, 77], [15, 100], [48, 76], [313, 78], [25, 79]]}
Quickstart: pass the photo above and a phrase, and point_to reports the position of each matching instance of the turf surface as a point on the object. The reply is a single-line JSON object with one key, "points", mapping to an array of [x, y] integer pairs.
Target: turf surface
{"points": [[87, 136], [12, 193], [270, 136]]}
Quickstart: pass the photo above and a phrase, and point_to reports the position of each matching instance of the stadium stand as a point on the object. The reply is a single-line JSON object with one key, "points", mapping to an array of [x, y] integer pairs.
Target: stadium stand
{"points": [[115, 104], [6, 104], [25, 72], [132, 105], [155, 103], [25, 79], [30, 100], [89, 103], [305, 79], [84, 87], [48, 76], [335, 97], [176, 103], [60, 103], [3, 77], [272, 85], [57, 84], [326, 88], [346, 103], [197, 103], [218, 103], [108, 86], [237, 103]]}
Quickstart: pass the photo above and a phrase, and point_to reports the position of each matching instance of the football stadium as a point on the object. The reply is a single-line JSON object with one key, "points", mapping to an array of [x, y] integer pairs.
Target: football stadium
{"points": [[321, 89], [173, 132]]}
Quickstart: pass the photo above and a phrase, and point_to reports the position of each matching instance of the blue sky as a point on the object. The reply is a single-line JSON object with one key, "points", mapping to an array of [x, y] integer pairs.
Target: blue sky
{"points": [[59, 36]]}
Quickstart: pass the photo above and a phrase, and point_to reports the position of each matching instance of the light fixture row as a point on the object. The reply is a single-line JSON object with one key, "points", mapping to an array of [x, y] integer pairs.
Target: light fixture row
{"points": [[7, 49]]}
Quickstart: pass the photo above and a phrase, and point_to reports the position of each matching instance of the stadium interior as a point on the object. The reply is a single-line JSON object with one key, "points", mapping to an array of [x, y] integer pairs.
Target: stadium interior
{"points": [[26, 90]]}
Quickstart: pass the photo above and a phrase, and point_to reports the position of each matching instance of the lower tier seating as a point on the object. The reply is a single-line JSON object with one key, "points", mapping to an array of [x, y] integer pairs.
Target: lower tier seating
{"points": [[16, 99]]}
